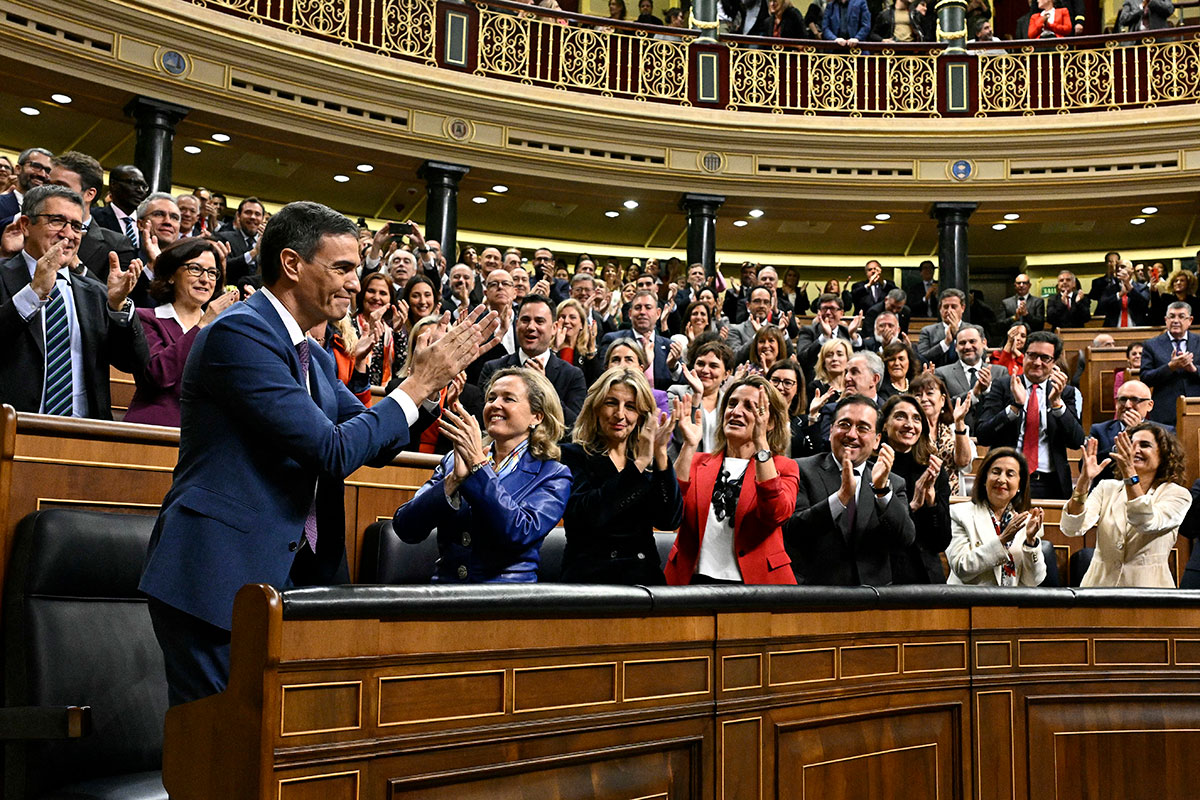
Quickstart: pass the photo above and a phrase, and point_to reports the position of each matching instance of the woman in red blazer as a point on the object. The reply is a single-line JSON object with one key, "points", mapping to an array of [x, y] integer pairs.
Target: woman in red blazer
{"points": [[1049, 21], [736, 498]]}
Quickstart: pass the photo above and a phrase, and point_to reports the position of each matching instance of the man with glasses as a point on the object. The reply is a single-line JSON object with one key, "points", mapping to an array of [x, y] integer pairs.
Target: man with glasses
{"points": [[583, 289], [851, 515], [556, 289], [1134, 402], [33, 170], [269, 435], [127, 188], [498, 292], [1169, 363], [158, 220], [1035, 413], [1024, 306], [62, 331], [828, 325]]}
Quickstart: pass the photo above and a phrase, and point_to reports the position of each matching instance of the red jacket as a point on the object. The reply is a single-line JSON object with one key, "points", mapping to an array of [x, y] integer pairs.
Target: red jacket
{"points": [[1060, 24], [762, 509]]}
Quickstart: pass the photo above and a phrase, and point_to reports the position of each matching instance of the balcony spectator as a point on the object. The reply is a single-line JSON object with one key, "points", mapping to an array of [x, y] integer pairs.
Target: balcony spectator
{"points": [[1024, 305], [786, 21], [1144, 15], [1133, 364], [906, 431], [901, 364], [985, 35], [1169, 364], [896, 23], [979, 13], [1137, 516], [81, 173], [868, 292], [493, 502], [127, 188], [936, 343], [33, 170], [190, 275], [1125, 303], [1180, 288], [736, 498], [623, 484], [850, 516], [673, 18], [646, 13], [57, 324], [1070, 307], [995, 540], [846, 22], [1048, 22]]}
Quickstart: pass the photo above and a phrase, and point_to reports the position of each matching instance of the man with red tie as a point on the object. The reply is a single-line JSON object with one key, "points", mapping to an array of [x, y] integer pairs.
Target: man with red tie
{"points": [[1035, 413], [1125, 304]]}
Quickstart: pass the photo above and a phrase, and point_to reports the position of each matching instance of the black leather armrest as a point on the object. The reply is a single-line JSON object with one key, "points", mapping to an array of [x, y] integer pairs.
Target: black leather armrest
{"points": [[45, 722]]}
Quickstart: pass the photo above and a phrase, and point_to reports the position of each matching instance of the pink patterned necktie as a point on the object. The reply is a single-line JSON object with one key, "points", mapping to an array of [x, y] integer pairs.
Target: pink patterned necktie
{"points": [[310, 522]]}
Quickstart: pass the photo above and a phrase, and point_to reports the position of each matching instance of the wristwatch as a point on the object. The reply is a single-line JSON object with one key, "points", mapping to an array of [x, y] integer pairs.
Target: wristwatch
{"points": [[762, 456], [1132, 480], [887, 487]]}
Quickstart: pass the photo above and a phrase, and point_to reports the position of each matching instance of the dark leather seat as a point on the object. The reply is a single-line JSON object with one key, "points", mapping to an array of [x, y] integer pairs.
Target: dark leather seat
{"points": [[1080, 561], [77, 634], [1052, 577]]}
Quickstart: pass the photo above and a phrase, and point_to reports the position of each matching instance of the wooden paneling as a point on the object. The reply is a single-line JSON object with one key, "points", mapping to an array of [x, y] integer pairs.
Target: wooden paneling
{"points": [[1099, 403]]}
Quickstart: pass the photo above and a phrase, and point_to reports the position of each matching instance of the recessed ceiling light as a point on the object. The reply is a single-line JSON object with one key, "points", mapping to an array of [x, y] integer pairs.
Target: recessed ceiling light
{"points": [[29, 111], [341, 178], [1011, 217], [756, 212], [1137, 221], [999, 226], [867, 227], [480, 199], [740, 223], [61, 98], [883, 217], [365, 167], [191, 148], [612, 214], [1150, 210], [631, 204], [500, 188], [220, 137]]}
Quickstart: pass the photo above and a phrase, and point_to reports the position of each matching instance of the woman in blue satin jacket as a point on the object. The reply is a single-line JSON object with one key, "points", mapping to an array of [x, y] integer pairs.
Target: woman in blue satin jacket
{"points": [[493, 500]]}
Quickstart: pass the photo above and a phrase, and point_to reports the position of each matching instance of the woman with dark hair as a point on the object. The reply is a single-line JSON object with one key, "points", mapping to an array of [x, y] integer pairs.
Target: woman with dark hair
{"points": [[493, 501], [622, 486], [767, 347], [787, 377], [831, 287], [906, 430], [1133, 365], [947, 428], [697, 320], [1137, 516], [902, 364], [186, 275], [711, 362], [995, 540], [374, 303], [419, 299], [1012, 355], [736, 498]]}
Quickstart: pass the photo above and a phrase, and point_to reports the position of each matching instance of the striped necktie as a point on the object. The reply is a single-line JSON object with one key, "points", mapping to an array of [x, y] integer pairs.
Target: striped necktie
{"points": [[59, 386], [131, 232]]}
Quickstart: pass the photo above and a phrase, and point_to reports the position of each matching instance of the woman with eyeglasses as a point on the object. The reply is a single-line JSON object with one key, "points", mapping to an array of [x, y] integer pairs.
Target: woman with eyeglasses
{"points": [[736, 498], [186, 276], [787, 376], [1137, 516]]}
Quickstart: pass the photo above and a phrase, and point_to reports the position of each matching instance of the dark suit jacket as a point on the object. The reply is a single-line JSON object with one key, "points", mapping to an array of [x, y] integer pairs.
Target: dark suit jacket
{"points": [[97, 243], [1035, 311], [929, 345], [874, 311], [1168, 384], [108, 219], [808, 345], [1110, 305], [1059, 316], [9, 208], [1063, 431], [957, 385], [662, 349], [253, 448], [566, 378], [1105, 434], [863, 298], [235, 263], [824, 553], [921, 561], [105, 341]]}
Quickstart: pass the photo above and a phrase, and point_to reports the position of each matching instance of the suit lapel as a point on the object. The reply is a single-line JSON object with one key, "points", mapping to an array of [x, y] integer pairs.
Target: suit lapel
{"points": [[259, 303], [16, 278], [706, 480], [747, 497]]}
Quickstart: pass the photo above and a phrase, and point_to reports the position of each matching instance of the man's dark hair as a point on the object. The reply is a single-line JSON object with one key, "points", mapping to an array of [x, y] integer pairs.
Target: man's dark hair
{"points": [[91, 174], [757, 288], [711, 343], [36, 198], [962, 298], [1045, 336], [299, 226], [830, 297], [531, 299], [858, 400], [258, 203]]}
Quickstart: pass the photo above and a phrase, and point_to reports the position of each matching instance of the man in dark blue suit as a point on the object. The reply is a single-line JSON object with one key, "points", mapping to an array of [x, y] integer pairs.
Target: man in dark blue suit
{"points": [[664, 356], [33, 170], [1134, 402], [269, 435], [1169, 364]]}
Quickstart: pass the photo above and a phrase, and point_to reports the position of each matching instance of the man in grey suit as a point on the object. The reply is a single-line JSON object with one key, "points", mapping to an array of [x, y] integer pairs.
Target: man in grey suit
{"points": [[742, 334], [1024, 306], [936, 345], [968, 373], [828, 325]]}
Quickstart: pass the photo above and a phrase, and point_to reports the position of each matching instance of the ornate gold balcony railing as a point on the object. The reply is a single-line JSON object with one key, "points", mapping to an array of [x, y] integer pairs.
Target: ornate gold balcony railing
{"points": [[576, 53]]}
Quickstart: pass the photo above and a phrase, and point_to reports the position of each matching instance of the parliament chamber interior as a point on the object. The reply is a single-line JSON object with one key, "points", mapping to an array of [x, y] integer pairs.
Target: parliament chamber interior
{"points": [[886, 251]]}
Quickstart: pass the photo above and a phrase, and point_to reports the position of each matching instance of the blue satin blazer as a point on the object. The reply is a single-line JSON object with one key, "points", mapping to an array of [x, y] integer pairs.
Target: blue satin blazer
{"points": [[496, 532]]}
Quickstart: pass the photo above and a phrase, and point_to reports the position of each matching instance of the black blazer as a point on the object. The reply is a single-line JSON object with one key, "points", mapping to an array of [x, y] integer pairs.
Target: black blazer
{"points": [[921, 561], [235, 263], [105, 342], [822, 555], [1110, 305], [861, 294], [1059, 316], [97, 243], [108, 219], [611, 517], [566, 378], [1062, 430]]}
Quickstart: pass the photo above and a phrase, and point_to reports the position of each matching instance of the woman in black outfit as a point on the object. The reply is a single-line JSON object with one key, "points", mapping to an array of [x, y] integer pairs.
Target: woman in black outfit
{"points": [[788, 377], [906, 429], [623, 484]]}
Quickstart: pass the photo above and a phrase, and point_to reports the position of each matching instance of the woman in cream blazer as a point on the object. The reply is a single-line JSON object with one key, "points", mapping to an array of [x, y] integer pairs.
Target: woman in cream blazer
{"points": [[1136, 518], [995, 540]]}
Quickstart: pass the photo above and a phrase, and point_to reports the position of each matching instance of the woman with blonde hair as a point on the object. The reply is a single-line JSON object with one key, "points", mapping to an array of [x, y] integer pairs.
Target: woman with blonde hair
{"points": [[1179, 288], [1137, 516], [623, 484], [494, 500], [574, 333], [736, 498], [830, 371]]}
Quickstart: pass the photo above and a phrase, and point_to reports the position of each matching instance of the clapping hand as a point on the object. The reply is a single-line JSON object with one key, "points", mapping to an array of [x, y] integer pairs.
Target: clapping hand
{"points": [[1089, 470], [1122, 455], [1015, 525], [120, 284], [1017, 387], [856, 324], [983, 381], [686, 413], [463, 431], [149, 241], [883, 466], [925, 490], [1057, 381], [961, 406]]}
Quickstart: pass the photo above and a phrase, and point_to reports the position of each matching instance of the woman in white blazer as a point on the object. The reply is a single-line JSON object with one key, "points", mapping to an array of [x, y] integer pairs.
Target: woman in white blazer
{"points": [[1137, 517], [995, 540]]}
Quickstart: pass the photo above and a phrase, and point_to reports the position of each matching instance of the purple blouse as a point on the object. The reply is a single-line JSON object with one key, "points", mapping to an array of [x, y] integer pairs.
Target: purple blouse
{"points": [[156, 401]]}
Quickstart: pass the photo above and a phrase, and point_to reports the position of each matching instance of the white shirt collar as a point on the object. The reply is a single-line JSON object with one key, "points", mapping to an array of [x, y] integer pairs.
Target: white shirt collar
{"points": [[544, 358], [289, 322], [166, 311], [64, 274]]}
